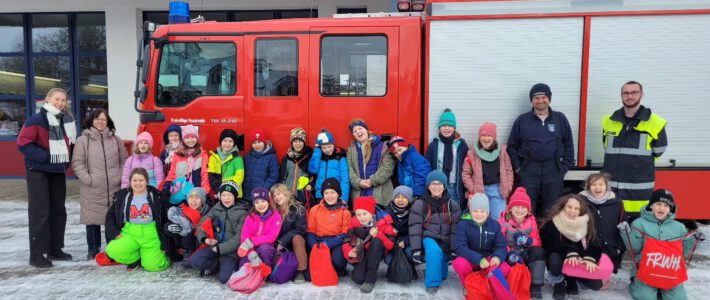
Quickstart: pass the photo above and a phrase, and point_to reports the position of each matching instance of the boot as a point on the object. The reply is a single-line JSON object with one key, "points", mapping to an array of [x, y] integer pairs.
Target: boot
{"points": [[59, 255], [39, 261], [559, 292], [536, 291], [367, 287], [572, 287], [300, 277]]}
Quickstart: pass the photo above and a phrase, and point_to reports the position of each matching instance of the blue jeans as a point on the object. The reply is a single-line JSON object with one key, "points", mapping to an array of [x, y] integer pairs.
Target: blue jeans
{"points": [[496, 201], [454, 193], [437, 266]]}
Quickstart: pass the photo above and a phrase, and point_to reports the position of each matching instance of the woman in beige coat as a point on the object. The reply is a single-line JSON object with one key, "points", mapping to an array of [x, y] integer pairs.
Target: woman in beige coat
{"points": [[98, 161]]}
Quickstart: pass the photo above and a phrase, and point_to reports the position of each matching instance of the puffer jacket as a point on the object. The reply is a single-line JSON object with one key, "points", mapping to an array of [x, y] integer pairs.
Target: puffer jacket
{"points": [[606, 216], [260, 231], [436, 160], [148, 162], [664, 230], [293, 168], [232, 168], [328, 224], [33, 142], [474, 241], [381, 179], [385, 233], [293, 224], [554, 242], [434, 218], [98, 163], [120, 207], [181, 167], [261, 169], [412, 171], [232, 220], [472, 172], [330, 166], [529, 227]]}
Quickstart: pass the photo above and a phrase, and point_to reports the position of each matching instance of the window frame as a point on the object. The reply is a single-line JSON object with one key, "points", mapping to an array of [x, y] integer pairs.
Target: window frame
{"points": [[320, 65], [298, 64]]}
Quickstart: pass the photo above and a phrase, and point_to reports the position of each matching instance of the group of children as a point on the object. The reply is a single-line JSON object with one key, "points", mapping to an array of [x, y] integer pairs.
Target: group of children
{"points": [[252, 209]]}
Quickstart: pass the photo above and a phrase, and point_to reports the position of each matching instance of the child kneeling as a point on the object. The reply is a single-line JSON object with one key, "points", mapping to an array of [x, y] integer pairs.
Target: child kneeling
{"points": [[328, 223], [183, 221], [367, 242], [261, 228], [132, 224]]}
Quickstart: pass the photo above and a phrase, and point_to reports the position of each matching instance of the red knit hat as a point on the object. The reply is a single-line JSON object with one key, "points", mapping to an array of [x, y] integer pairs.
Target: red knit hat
{"points": [[257, 134], [520, 197], [366, 203], [396, 142], [488, 128]]}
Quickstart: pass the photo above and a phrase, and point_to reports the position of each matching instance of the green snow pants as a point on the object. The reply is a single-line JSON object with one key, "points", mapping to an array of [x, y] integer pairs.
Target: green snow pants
{"points": [[642, 291], [139, 241]]}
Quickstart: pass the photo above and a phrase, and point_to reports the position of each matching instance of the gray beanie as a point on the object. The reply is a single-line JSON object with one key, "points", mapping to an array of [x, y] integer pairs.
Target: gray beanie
{"points": [[199, 192], [403, 190], [479, 201]]}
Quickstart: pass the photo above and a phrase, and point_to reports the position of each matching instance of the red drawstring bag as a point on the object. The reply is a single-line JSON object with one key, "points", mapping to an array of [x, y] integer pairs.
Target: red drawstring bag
{"points": [[322, 271], [662, 264], [476, 286], [519, 280]]}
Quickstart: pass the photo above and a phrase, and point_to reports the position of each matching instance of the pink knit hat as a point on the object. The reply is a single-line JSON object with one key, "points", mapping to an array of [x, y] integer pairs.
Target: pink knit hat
{"points": [[520, 197], [188, 131], [488, 128], [145, 136]]}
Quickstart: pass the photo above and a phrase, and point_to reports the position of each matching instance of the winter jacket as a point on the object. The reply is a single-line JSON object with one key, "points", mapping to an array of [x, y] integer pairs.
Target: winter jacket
{"points": [[164, 153], [120, 208], [293, 168], [554, 242], [98, 163], [665, 230], [385, 233], [412, 171], [148, 162], [510, 229], [232, 220], [381, 179], [606, 216], [434, 218], [436, 161], [186, 217], [292, 225], [261, 169], [232, 168], [400, 224], [262, 231], [527, 140], [181, 167], [474, 241], [328, 225], [472, 173], [33, 142], [330, 166]]}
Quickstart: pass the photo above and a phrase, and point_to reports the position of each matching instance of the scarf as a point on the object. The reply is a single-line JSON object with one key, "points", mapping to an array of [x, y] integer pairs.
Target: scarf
{"points": [[266, 215], [58, 148], [448, 163], [574, 230], [486, 155], [334, 206], [401, 212], [296, 155], [598, 201], [170, 150], [223, 155]]}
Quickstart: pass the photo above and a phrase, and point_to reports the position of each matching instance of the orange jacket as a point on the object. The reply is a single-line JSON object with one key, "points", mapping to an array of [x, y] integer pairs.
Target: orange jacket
{"points": [[323, 222]]}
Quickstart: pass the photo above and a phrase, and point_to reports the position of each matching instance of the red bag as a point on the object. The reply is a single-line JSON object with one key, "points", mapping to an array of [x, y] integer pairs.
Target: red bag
{"points": [[662, 264], [103, 260], [519, 280], [476, 286], [247, 280], [322, 271]]}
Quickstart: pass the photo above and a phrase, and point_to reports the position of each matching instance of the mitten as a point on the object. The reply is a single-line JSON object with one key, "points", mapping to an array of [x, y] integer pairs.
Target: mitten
{"points": [[522, 240], [244, 248]]}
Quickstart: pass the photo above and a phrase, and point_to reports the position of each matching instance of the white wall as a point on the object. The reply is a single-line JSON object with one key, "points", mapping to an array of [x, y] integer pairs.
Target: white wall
{"points": [[123, 21]]}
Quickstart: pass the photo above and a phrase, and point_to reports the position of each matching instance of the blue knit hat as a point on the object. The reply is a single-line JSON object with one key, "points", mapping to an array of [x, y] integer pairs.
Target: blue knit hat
{"points": [[171, 128], [447, 118], [436, 175], [324, 137]]}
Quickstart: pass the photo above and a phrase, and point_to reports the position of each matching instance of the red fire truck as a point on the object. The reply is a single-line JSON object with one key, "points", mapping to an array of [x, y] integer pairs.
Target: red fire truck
{"points": [[398, 71]]}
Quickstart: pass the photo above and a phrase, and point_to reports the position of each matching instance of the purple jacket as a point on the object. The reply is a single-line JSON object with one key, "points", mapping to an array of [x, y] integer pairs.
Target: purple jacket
{"points": [[262, 230], [148, 162]]}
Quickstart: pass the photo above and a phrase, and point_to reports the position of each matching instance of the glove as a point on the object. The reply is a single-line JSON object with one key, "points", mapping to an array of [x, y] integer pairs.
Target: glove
{"points": [[624, 227], [417, 257], [174, 228], [244, 248], [302, 182], [699, 235], [521, 240]]}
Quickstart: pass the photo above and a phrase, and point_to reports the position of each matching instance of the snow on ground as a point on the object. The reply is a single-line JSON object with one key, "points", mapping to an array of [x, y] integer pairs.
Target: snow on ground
{"points": [[84, 279]]}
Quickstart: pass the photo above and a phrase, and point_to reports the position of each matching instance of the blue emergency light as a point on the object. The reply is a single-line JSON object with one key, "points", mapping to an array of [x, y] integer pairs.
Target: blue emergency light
{"points": [[179, 12]]}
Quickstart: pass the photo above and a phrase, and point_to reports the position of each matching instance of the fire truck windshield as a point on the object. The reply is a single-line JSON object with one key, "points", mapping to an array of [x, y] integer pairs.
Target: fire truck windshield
{"points": [[190, 70]]}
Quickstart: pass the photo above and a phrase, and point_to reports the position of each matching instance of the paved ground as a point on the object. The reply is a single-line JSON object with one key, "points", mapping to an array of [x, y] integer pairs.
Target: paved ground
{"points": [[85, 280]]}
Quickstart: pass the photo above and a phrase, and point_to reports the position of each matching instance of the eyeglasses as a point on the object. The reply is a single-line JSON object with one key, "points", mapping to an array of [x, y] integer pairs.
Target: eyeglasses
{"points": [[634, 93]]}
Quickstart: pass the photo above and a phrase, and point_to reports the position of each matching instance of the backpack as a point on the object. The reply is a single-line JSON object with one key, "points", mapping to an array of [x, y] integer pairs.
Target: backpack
{"points": [[284, 268], [247, 280]]}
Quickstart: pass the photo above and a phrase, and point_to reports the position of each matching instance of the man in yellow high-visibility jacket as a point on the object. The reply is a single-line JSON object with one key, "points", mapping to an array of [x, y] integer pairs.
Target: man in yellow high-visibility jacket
{"points": [[633, 138]]}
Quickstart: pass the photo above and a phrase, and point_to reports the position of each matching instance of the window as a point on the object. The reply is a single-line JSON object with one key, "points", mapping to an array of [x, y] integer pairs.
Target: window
{"points": [[13, 107], [191, 70], [276, 67], [353, 66]]}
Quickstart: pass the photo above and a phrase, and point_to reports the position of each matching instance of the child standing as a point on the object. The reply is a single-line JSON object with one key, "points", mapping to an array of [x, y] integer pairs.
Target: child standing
{"points": [[398, 209], [329, 161], [519, 228], [487, 169], [184, 220], [225, 220], [608, 213], [143, 158], [293, 227], [190, 161], [432, 226], [261, 228], [132, 224], [446, 153], [294, 165], [172, 139], [412, 167], [479, 242], [367, 242], [328, 223], [261, 167], [225, 164], [569, 236], [657, 221]]}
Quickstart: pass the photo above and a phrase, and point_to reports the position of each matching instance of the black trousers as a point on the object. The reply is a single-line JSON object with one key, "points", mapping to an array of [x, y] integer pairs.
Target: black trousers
{"points": [[93, 238], [366, 270], [554, 266], [544, 181], [46, 193]]}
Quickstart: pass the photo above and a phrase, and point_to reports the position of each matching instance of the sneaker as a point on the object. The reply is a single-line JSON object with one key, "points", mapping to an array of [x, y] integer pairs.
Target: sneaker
{"points": [[59, 255], [39, 261], [559, 291], [367, 287], [572, 288], [432, 290], [133, 266], [536, 291], [300, 277]]}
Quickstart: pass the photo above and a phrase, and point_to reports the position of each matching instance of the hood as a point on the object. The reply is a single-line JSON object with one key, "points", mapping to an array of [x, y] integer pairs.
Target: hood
{"points": [[94, 134], [648, 215], [171, 128], [269, 149]]}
